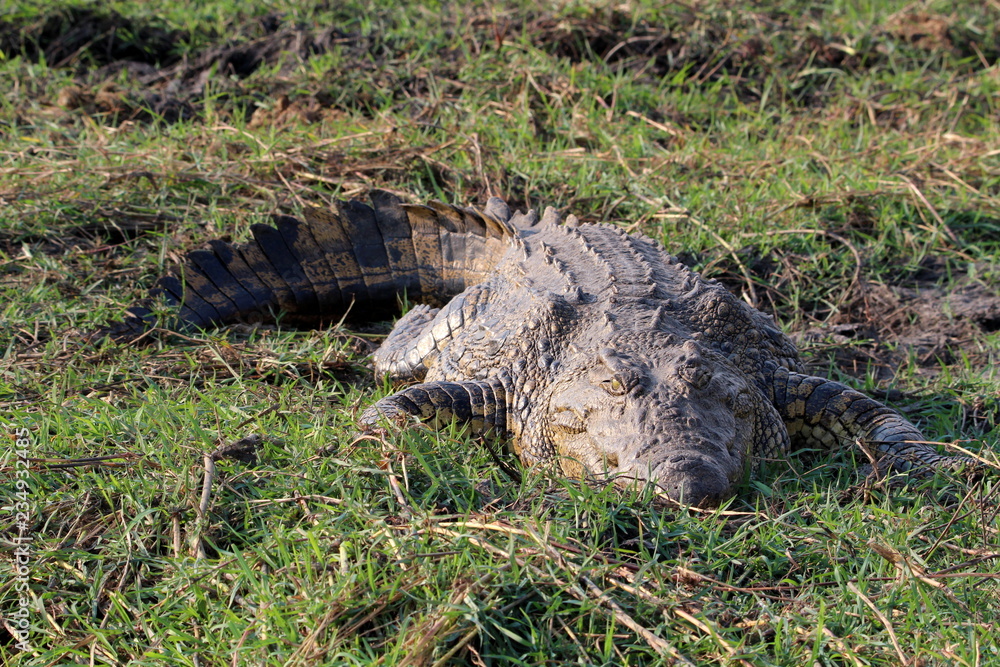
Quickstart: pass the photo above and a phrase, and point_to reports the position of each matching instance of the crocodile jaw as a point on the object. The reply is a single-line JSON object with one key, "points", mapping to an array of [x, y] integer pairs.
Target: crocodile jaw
{"points": [[686, 477], [679, 417], [703, 475]]}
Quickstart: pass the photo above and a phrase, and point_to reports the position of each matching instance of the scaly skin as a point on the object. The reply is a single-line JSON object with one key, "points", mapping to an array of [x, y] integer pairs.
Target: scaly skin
{"points": [[578, 344]]}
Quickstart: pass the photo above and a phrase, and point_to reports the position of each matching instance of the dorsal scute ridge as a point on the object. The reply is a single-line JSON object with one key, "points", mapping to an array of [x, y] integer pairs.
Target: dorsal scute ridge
{"points": [[311, 270], [497, 209], [640, 256], [550, 217], [628, 269], [587, 238], [524, 220]]}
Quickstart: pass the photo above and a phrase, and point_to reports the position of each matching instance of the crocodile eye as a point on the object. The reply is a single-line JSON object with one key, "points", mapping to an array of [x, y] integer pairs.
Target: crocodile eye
{"points": [[614, 386], [567, 421], [618, 373]]}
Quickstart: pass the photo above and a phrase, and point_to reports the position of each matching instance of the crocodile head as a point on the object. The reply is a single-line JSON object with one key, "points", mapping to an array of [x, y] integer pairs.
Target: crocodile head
{"points": [[667, 412]]}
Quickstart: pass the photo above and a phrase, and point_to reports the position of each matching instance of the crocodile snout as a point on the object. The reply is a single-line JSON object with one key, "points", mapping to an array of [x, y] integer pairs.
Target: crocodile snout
{"points": [[694, 482], [689, 480]]}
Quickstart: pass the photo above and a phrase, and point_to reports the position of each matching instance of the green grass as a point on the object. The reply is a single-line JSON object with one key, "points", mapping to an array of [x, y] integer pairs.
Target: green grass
{"points": [[834, 163]]}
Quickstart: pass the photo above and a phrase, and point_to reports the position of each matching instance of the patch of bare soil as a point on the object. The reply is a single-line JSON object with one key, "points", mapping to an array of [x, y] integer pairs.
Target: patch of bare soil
{"points": [[749, 48], [107, 50], [83, 37], [88, 226], [919, 317], [133, 71], [286, 111], [924, 30], [936, 314], [922, 321]]}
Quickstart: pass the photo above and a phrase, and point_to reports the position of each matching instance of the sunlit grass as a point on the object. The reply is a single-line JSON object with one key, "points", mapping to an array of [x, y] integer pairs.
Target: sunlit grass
{"points": [[819, 159]]}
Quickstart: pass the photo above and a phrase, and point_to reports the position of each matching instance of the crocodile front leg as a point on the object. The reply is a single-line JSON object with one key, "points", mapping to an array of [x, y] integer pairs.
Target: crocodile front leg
{"points": [[480, 405], [828, 414], [422, 334], [399, 356]]}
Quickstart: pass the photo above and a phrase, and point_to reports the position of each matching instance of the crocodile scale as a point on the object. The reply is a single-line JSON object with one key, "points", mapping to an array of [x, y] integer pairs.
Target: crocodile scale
{"points": [[580, 345]]}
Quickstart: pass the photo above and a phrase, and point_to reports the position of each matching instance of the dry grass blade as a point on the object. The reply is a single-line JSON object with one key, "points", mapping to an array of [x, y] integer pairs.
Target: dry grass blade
{"points": [[709, 630], [197, 545], [751, 292], [421, 639], [841, 645], [942, 225], [856, 275], [904, 565], [658, 644], [903, 660], [459, 645], [593, 592]]}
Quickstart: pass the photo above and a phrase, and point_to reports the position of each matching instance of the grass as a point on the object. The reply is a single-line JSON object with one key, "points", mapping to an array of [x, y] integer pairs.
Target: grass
{"points": [[834, 163]]}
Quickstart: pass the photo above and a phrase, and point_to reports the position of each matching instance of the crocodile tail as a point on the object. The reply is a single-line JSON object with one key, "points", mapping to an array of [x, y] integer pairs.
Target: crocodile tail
{"points": [[355, 260]]}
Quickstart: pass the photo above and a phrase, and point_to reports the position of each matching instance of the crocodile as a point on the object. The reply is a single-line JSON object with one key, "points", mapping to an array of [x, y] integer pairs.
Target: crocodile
{"points": [[579, 345]]}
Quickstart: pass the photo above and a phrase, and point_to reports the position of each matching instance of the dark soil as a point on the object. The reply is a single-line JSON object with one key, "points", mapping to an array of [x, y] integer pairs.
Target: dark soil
{"points": [[85, 38], [916, 319], [167, 81], [748, 49], [105, 48]]}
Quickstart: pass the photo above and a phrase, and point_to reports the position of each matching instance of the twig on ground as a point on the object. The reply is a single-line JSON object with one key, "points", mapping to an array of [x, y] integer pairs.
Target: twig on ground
{"points": [[197, 546], [855, 278], [903, 660], [658, 644], [942, 225]]}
